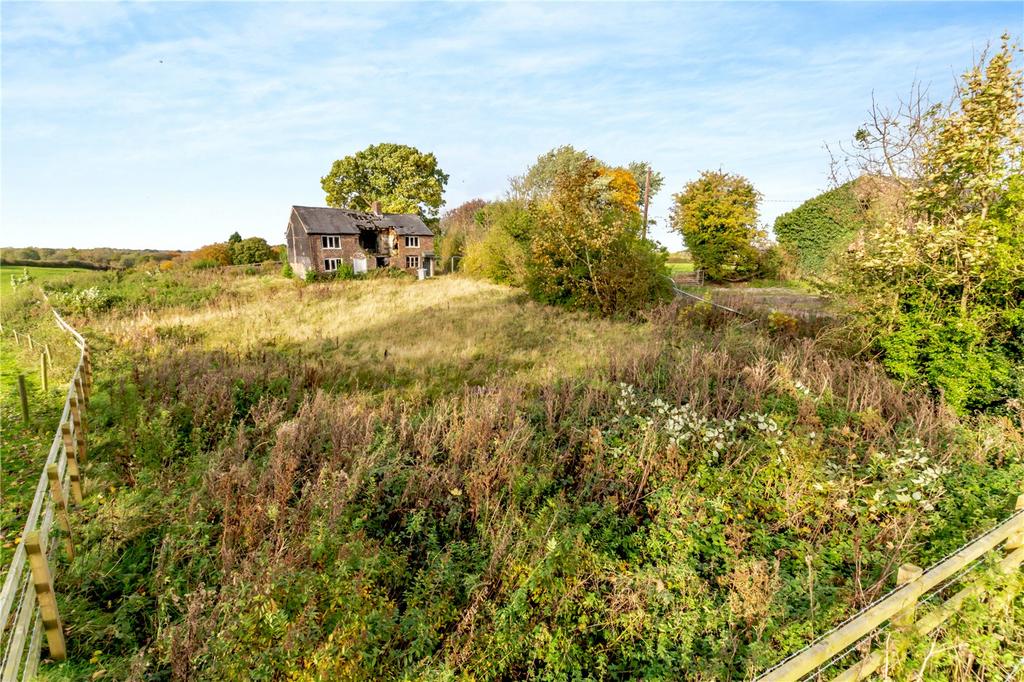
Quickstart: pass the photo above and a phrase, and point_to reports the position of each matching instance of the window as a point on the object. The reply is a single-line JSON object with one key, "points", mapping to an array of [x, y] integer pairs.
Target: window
{"points": [[331, 264], [330, 242], [412, 261], [412, 242]]}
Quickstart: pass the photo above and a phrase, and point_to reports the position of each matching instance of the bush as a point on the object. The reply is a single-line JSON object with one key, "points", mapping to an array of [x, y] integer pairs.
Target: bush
{"points": [[773, 262], [500, 254], [220, 254], [287, 271], [940, 290], [587, 252], [344, 272]]}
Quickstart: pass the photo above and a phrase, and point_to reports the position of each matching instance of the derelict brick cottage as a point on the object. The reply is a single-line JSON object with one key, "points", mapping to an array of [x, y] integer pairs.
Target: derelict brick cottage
{"points": [[321, 239]]}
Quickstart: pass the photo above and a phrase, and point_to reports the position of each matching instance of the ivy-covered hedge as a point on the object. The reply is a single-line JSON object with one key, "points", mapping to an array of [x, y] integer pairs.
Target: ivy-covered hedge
{"points": [[816, 228]]}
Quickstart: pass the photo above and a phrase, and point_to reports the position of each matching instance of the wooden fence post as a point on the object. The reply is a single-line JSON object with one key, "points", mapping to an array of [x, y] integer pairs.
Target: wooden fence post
{"points": [[43, 377], [43, 582], [61, 505], [87, 366], [83, 399], [29, 337], [1017, 539], [70, 449], [77, 421], [49, 358], [17, 339], [23, 394], [908, 573]]}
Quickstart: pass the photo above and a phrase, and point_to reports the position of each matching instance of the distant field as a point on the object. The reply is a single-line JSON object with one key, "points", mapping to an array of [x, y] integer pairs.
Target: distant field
{"points": [[38, 275], [676, 268]]}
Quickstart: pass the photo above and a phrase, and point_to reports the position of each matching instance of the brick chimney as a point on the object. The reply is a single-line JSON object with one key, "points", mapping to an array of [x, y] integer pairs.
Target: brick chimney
{"points": [[375, 208]]}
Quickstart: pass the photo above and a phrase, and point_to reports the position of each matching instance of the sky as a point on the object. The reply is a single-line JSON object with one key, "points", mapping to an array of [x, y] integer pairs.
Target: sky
{"points": [[171, 125]]}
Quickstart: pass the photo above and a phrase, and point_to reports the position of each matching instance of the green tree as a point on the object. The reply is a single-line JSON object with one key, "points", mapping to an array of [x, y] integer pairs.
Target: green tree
{"points": [[717, 216], [234, 238], [402, 178], [539, 180], [250, 251], [940, 288]]}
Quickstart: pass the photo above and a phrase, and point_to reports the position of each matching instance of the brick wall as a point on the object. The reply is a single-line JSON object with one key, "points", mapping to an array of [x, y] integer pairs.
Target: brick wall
{"points": [[399, 254], [349, 247]]}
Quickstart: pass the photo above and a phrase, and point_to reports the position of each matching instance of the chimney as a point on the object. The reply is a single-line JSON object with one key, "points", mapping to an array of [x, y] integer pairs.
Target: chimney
{"points": [[375, 208]]}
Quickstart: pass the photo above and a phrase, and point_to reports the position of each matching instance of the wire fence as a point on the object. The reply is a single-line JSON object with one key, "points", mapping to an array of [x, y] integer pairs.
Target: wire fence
{"points": [[28, 607]]}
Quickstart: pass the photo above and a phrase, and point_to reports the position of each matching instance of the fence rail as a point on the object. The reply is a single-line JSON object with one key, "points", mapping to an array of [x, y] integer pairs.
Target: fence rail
{"points": [[28, 608], [899, 606]]}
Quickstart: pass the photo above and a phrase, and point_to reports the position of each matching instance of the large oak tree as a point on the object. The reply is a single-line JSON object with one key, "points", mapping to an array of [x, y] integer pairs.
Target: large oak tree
{"points": [[402, 178]]}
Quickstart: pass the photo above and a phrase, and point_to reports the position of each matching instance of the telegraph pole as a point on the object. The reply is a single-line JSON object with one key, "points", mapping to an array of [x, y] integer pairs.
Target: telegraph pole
{"points": [[647, 196]]}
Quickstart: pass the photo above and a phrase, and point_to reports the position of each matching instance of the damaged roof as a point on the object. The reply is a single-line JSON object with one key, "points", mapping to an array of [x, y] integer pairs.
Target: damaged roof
{"points": [[322, 220]]}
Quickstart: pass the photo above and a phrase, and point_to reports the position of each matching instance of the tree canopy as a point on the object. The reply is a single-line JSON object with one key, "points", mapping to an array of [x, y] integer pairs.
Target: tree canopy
{"points": [[402, 178], [717, 216], [250, 251]]}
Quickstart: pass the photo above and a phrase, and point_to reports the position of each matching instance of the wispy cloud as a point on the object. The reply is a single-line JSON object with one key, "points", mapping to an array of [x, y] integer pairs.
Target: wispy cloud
{"points": [[220, 116]]}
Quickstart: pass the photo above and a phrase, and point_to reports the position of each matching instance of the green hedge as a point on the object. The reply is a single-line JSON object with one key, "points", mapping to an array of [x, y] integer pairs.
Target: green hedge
{"points": [[819, 226]]}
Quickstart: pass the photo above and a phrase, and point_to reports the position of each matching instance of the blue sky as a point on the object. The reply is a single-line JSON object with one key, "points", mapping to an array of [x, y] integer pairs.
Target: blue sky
{"points": [[171, 125]]}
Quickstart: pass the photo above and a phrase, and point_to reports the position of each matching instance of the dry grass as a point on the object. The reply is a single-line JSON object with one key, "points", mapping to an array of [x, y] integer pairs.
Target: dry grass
{"points": [[417, 336]]}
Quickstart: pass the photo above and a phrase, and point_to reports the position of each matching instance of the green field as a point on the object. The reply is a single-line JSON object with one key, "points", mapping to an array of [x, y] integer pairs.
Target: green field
{"points": [[38, 275], [676, 267]]}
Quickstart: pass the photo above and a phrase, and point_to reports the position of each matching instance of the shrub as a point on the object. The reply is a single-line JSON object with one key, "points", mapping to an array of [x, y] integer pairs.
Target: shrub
{"points": [[586, 250], [940, 289], [287, 271], [218, 254], [459, 226], [500, 254]]}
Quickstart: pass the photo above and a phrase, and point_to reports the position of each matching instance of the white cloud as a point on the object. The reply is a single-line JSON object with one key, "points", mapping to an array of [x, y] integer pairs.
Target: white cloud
{"points": [[166, 105]]}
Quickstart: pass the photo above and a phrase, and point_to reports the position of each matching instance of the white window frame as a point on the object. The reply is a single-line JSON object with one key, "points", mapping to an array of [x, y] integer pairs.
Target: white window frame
{"points": [[330, 241], [331, 264], [412, 261], [412, 242]]}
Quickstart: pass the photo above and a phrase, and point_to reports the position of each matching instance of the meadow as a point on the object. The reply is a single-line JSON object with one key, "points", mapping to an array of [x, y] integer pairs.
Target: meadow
{"points": [[445, 480], [38, 275]]}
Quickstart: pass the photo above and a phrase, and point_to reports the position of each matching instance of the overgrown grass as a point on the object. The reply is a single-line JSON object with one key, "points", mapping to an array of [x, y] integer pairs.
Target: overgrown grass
{"points": [[430, 480]]}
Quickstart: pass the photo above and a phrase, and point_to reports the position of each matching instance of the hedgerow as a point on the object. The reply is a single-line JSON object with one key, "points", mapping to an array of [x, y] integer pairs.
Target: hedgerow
{"points": [[819, 227]]}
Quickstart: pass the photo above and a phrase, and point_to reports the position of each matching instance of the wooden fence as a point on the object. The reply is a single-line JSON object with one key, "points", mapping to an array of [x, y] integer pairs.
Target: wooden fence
{"points": [[28, 607], [898, 608]]}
